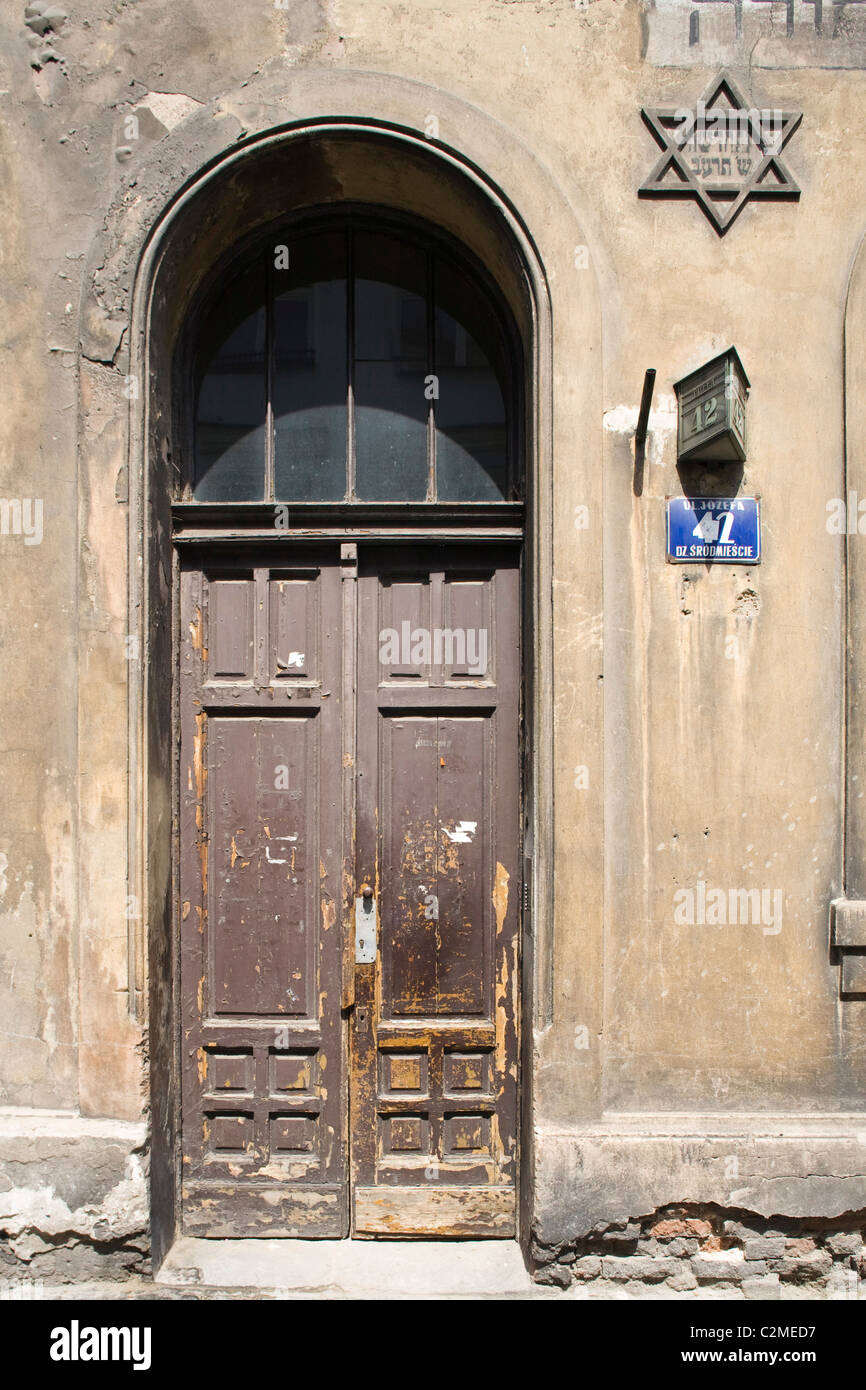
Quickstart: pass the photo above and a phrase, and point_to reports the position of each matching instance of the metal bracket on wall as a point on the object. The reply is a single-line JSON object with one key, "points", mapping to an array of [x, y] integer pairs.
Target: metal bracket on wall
{"points": [[646, 399], [848, 927], [640, 433]]}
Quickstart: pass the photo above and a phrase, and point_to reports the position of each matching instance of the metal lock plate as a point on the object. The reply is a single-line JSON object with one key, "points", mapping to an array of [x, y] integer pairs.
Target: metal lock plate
{"points": [[365, 931]]}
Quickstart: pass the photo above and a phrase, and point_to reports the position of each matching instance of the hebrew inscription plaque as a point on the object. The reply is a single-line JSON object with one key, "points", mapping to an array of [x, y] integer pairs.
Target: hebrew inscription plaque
{"points": [[721, 152]]}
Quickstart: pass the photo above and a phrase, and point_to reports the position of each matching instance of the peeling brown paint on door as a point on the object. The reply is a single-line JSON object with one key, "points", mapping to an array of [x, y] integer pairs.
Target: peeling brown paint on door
{"points": [[434, 1036], [264, 1139], [299, 782]]}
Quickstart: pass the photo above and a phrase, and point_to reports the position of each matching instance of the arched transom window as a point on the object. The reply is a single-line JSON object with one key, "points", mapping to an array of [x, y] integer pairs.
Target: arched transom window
{"points": [[351, 360]]}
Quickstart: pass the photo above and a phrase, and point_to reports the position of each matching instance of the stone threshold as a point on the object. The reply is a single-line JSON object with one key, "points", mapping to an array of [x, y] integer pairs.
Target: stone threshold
{"points": [[353, 1268]]}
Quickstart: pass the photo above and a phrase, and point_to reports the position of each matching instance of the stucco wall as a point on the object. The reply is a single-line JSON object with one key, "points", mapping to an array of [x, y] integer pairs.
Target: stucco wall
{"points": [[698, 730]]}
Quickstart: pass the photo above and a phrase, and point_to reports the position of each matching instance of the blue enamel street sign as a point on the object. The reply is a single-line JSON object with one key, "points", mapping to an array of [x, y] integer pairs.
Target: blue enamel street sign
{"points": [[726, 529]]}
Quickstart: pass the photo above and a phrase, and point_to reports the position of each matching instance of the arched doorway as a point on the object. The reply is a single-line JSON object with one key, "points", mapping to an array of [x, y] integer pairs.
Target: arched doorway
{"points": [[348, 534]]}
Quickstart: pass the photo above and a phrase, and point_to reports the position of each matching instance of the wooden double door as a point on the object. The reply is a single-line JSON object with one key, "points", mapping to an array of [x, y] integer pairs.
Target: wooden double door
{"points": [[349, 810]]}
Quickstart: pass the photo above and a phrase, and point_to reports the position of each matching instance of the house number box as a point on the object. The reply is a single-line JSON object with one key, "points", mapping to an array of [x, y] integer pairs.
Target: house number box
{"points": [[711, 422], [724, 530]]}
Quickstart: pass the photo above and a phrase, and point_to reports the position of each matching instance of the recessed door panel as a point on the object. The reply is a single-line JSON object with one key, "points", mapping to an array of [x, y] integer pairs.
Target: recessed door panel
{"points": [[262, 936], [436, 926]]}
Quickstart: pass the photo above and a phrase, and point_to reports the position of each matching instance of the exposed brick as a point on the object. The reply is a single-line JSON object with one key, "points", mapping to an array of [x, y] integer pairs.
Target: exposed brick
{"points": [[619, 1236], [739, 1230], [541, 1253], [768, 1287], [553, 1274], [651, 1247], [747, 1230], [844, 1244], [800, 1269], [764, 1248], [680, 1247], [800, 1245], [637, 1267], [711, 1271], [688, 1226]]}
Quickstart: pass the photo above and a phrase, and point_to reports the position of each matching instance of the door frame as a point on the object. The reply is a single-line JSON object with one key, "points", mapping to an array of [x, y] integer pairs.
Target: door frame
{"points": [[151, 246], [216, 525], [221, 546]]}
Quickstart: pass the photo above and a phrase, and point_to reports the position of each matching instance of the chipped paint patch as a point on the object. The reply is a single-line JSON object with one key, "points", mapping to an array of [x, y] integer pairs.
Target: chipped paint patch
{"points": [[622, 420], [500, 895], [500, 907], [195, 630]]}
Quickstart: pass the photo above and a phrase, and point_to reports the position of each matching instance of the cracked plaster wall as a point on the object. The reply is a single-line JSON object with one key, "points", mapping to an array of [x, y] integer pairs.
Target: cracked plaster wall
{"points": [[91, 94]]}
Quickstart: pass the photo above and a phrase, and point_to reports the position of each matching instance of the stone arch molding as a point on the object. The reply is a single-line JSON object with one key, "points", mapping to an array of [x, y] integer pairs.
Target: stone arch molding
{"points": [[452, 164]]}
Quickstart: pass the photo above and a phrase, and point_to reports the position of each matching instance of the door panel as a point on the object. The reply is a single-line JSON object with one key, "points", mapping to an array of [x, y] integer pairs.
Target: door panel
{"points": [[264, 1099], [349, 717], [434, 1058]]}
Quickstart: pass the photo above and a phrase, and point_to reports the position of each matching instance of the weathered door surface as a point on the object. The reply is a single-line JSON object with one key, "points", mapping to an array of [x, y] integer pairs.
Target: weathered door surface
{"points": [[264, 1088], [350, 811], [434, 1064]]}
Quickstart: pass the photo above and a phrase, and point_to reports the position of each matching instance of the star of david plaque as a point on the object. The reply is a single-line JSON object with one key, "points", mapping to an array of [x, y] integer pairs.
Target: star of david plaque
{"points": [[722, 152]]}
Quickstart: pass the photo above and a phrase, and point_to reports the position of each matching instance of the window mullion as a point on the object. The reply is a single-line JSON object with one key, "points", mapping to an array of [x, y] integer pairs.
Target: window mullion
{"points": [[431, 368], [270, 349], [350, 365]]}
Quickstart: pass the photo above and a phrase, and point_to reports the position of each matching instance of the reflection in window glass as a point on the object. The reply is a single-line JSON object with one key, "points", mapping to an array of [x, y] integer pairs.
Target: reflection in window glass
{"points": [[471, 440], [309, 392], [362, 322], [230, 395], [390, 367]]}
